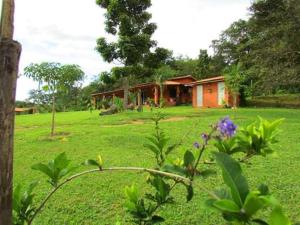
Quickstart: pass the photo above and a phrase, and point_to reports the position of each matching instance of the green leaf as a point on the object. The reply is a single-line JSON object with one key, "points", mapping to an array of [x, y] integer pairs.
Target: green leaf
{"points": [[253, 203], [263, 189], [171, 149], [189, 158], [278, 217], [44, 169], [260, 221], [226, 205], [131, 193], [190, 193], [233, 178], [153, 148], [61, 161], [91, 162], [206, 173], [157, 219]]}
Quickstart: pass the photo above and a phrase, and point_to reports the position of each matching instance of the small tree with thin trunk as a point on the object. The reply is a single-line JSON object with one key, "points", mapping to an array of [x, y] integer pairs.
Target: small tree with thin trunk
{"points": [[54, 77], [161, 75], [234, 81]]}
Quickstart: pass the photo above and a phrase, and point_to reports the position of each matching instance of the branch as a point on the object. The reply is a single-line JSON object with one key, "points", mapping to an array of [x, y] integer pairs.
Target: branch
{"points": [[151, 171]]}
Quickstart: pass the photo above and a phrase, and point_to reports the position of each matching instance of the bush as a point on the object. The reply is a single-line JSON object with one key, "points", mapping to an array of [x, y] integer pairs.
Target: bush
{"points": [[281, 101]]}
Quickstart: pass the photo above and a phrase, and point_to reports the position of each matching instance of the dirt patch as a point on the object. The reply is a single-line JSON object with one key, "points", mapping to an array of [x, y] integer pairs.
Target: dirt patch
{"points": [[137, 122], [176, 118], [58, 136], [114, 125]]}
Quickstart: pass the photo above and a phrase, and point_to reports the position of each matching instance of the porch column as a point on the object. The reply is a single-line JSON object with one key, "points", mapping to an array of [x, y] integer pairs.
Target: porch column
{"points": [[178, 94], [156, 97]]}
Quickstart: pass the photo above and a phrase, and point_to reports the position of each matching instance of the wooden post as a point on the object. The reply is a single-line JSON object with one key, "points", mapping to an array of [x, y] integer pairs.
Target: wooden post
{"points": [[9, 64], [126, 92], [156, 97], [177, 94]]}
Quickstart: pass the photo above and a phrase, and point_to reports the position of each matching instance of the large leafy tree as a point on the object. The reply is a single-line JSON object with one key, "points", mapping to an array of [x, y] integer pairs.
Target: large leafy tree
{"points": [[54, 78], [266, 46], [139, 55], [275, 55]]}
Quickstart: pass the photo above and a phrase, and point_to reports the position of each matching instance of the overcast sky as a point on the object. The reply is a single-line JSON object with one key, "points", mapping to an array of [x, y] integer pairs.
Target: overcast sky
{"points": [[66, 30]]}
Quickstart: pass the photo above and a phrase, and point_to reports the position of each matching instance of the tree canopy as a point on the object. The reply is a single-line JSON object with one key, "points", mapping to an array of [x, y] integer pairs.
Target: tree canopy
{"points": [[267, 46]]}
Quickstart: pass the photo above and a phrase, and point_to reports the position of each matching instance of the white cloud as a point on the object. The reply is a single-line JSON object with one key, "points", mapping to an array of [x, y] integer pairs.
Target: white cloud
{"points": [[66, 30]]}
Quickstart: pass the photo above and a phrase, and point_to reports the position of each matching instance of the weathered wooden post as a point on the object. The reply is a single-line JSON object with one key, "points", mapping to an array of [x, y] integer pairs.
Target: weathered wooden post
{"points": [[156, 97], [9, 62]]}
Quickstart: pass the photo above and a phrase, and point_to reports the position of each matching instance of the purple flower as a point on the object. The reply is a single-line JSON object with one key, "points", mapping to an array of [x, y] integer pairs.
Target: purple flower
{"points": [[205, 138], [226, 127], [196, 145]]}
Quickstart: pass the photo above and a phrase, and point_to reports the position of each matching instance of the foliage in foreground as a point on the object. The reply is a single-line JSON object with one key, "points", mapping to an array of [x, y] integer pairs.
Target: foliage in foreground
{"points": [[236, 202]]}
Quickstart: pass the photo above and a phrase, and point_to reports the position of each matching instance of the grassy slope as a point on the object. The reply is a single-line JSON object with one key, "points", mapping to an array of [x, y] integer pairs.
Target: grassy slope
{"points": [[98, 199]]}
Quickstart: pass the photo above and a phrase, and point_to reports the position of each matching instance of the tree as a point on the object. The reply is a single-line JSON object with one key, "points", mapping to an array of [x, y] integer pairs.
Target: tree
{"points": [[203, 63], [10, 51], [185, 66], [234, 80], [266, 46], [54, 77], [134, 48]]}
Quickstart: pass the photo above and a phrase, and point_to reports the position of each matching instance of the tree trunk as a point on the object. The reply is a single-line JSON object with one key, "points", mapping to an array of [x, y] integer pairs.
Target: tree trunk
{"points": [[7, 20], [53, 115], [9, 64], [9, 61], [126, 92], [235, 100]]}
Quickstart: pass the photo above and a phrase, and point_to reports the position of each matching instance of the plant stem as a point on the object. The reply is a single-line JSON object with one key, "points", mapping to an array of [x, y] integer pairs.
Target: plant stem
{"points": [[151, 171], [203, 149]]}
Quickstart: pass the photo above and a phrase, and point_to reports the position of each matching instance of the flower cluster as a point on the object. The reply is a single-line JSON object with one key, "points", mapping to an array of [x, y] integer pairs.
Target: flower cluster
{"points": [[226, 127]]}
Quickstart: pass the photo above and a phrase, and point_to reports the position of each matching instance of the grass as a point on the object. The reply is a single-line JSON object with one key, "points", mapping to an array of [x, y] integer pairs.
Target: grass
{"points": [[98, 199]]}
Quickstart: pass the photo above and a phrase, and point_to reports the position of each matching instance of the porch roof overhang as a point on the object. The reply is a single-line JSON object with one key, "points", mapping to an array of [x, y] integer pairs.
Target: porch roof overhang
{"points": [[169, 82], [208, 80], [144, 85], [172, 81], [107, 92]]}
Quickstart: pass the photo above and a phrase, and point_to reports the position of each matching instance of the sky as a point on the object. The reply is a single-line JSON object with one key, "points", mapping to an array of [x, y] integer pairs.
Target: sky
{"points": [[65, 31]]}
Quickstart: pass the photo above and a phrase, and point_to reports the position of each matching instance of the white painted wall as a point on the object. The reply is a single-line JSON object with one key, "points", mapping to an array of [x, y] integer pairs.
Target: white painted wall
{"points": [[199, 96], [221, 92]]}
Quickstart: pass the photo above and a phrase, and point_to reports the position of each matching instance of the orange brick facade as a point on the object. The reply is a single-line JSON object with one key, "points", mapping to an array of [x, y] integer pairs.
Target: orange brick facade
{"points": [[210, 93]]}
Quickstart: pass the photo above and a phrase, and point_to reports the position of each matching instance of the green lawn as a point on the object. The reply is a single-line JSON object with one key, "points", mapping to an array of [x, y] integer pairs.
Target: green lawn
{"points": [[98, 199]]}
